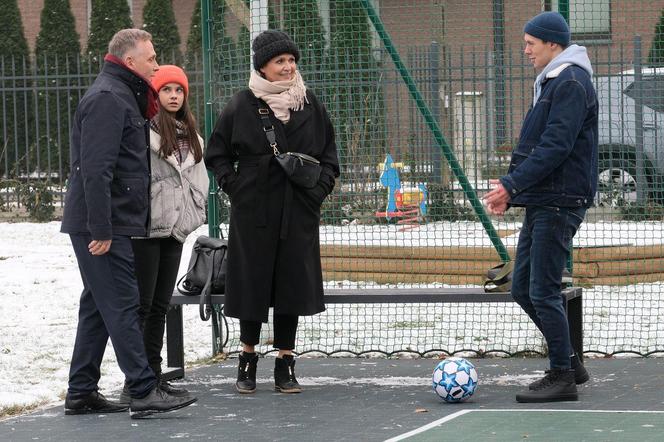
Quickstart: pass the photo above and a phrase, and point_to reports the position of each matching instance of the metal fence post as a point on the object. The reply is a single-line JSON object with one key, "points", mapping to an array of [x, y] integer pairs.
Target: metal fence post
{"points": [[434, 67], [641, 179]]}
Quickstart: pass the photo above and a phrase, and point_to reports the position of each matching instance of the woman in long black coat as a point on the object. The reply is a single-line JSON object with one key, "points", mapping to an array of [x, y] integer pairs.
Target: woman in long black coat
{"points": [[273, 250]]}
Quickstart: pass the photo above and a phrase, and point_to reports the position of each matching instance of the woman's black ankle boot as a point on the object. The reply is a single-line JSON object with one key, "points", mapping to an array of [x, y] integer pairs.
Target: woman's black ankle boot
{"points": [[284, 375], [246, 373]]}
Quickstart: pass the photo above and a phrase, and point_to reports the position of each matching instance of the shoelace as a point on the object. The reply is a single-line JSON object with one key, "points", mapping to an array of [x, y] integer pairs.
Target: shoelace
{"points": [[548, 380]]}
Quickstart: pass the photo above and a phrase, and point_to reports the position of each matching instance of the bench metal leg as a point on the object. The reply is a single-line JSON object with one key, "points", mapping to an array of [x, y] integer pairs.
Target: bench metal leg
{"points": [[217, 329], [174, 343]]}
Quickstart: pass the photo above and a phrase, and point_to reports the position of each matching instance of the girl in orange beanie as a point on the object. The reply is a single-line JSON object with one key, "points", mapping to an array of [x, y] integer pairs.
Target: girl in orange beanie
{"points": [[179, 190]]}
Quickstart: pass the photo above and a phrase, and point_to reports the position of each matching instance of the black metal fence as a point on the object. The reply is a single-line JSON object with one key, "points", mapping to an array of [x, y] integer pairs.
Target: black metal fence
{"points": [[39, 99]]}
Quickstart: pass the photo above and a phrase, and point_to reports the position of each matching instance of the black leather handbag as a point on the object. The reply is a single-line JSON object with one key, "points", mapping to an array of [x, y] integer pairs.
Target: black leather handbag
{"points": [[302, 169], [206, 273]]}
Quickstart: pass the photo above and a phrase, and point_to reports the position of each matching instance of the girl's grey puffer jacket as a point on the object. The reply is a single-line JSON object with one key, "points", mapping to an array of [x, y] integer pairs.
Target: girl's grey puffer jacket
{"points": [[178, 193]]}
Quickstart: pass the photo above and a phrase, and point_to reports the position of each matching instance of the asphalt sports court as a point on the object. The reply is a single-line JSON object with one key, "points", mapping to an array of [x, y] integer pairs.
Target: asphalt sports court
{"points": [[357, 399]]}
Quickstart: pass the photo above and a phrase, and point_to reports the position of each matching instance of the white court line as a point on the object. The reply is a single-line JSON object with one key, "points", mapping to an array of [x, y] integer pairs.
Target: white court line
{"points": [[547, 410], [429, 426]]}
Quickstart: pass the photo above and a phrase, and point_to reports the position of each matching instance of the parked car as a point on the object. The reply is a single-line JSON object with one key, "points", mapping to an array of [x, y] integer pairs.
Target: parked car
{"points": [[618, 174]]}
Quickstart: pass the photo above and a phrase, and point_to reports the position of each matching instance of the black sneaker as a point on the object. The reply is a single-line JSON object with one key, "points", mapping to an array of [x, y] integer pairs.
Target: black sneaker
{"points": [[246, 373], [93, 403], [557, 385], [284, 375], [581, 375], [158, 401]]}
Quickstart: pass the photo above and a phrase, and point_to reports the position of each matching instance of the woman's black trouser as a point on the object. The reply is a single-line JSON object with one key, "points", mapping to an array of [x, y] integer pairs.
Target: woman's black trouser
{"points": [[156, 261], [285, 328]]}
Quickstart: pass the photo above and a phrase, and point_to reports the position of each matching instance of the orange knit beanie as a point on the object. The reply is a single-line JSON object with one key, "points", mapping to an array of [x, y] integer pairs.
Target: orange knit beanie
{"points": [[169, 73]]}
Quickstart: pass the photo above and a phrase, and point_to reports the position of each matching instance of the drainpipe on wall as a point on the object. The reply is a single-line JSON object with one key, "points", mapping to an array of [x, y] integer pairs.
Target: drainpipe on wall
{"points": [[498, 71]]}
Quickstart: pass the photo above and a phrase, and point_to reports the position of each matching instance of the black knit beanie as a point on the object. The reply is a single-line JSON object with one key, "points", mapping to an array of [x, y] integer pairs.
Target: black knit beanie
{"points": [[268, 44]]}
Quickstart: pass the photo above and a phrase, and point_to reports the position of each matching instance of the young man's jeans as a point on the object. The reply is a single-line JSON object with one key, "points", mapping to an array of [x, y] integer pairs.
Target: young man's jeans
{"points": [[541, 256]]}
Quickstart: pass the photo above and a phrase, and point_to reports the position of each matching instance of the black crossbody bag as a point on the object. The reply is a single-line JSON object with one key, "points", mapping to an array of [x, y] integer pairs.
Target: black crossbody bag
{"points": [[303, 170]]}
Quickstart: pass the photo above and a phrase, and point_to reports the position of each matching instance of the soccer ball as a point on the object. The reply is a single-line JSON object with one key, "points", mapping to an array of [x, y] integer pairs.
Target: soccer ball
{"points": [[454, 379]]}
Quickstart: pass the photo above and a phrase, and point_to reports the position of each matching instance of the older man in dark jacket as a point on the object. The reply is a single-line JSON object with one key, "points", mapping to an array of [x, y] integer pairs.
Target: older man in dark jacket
{"points": [[107, 202], [553, 174]]}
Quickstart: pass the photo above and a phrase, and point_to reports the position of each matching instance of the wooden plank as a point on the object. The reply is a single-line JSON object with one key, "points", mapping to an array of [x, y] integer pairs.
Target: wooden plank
{"points": [[467, 253], [620, 280], [585, 254], [427, 266], [407, 278], [620, 253], [631, 267], [421, 266]]}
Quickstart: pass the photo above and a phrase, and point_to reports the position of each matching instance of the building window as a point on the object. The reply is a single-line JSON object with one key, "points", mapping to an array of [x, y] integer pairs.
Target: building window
{"points": [[588, 20]]}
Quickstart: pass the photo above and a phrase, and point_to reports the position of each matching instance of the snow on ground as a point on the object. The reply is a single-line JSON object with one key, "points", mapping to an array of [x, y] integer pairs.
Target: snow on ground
{"points": [[40, 286]]}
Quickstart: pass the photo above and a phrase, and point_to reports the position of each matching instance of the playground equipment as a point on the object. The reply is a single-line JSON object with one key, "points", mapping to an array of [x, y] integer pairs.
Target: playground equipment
{"points": [[407, 204]]}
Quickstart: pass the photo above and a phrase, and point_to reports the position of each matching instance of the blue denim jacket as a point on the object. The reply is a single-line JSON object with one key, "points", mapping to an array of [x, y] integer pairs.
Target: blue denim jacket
{"points": [[555, 160]]}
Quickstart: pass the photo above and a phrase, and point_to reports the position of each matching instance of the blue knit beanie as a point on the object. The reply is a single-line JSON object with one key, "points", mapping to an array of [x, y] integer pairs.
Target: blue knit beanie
{"points": [[549, 26]]}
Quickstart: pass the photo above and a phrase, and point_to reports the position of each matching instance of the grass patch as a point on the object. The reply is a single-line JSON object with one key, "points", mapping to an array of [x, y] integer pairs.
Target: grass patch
{"points": [[15, 410]]}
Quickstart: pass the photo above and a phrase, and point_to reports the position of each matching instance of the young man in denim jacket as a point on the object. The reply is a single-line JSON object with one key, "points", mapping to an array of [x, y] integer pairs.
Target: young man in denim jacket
{"points": [[553, 174]]}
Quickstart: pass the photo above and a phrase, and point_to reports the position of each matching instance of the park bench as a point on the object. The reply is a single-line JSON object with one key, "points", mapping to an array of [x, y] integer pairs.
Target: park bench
{"points": [[174, 323]]}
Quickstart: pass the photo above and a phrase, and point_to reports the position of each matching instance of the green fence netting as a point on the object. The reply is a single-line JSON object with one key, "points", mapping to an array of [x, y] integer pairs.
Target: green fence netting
{"points": [[446, 126], [432, 92]]}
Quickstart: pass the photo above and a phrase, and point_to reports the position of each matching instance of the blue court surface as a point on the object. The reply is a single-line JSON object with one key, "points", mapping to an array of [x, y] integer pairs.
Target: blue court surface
{"points": [[357, 399]]}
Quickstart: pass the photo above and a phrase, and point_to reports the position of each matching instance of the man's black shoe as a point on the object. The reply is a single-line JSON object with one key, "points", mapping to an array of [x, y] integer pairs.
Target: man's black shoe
{"points": [[125, 397], [158, 401], [93, 403], [581, 375], [557, 385]]}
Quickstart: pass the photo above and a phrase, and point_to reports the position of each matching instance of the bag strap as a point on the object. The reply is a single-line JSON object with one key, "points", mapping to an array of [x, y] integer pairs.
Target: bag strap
{"points": [[268, 128], [205, 305], [193, 264], [499, 278]]}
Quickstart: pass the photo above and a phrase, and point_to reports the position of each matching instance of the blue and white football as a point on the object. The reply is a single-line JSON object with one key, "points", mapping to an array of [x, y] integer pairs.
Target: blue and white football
{"points": [[454, 379]]}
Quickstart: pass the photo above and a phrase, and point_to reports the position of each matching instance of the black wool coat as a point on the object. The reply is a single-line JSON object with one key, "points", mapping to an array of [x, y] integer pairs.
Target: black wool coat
{"points": [[273, 242]]}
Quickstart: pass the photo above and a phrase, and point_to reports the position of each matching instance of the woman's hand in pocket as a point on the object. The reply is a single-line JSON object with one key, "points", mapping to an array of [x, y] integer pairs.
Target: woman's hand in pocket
{"points": [[316, 195]]}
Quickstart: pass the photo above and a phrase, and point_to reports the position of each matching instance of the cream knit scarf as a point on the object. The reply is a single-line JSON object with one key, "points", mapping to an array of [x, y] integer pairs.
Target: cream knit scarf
{"points": [[281, 96]]}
